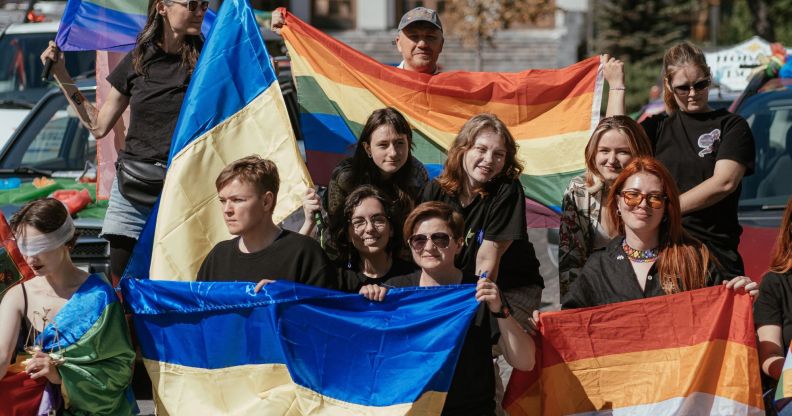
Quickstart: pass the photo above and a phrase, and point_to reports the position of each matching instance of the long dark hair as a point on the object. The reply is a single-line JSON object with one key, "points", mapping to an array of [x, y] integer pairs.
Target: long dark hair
{"points": [[153, 33], [339, 223], [364, 171]]}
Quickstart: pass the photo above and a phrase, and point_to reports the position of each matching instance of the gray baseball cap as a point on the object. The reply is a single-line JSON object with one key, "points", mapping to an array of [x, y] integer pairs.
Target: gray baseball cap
{"points": [[420, 14]]}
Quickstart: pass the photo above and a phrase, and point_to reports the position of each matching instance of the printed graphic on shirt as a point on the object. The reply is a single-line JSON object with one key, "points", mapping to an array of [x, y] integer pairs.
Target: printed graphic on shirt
{"points": [[708, 142]]}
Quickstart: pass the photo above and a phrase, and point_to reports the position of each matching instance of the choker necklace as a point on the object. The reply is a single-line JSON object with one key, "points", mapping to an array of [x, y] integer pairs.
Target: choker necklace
{"points": [[640, 256]]}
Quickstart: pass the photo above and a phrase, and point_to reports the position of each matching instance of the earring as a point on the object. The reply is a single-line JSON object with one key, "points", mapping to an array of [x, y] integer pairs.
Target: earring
{"points": [[618, 213]]}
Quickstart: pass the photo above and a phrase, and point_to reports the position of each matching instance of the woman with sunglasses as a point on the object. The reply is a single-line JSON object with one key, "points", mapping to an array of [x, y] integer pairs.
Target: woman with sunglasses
{"points": [[584, 222], [652, 254], [436, 233], [707, 151], [151, 80], [383, 158], [773, 307], [368, 240]]}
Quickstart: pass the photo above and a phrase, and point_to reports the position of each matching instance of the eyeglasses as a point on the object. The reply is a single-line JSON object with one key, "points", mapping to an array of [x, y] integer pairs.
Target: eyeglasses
{"points": [[377, 221], [684, 90], [634, 198], [192, 5], [418, 241]]}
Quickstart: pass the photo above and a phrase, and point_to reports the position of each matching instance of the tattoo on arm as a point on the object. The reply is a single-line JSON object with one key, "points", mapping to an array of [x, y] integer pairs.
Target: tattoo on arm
{"points": [[77, 98]]}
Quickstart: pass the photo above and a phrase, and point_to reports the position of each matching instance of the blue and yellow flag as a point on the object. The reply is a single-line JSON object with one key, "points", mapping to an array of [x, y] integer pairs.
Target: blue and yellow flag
{"points": [[233, 108], [220, 349]]}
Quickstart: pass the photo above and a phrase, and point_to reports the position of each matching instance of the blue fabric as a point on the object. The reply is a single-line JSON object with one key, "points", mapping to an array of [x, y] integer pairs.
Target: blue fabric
{"points": [[233, 69], [78, 315], [339, 345], [86, 26], [336, 137]]}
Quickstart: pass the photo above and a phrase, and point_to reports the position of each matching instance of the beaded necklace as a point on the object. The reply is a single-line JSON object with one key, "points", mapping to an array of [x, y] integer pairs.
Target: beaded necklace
{"points": [[640, 256]]}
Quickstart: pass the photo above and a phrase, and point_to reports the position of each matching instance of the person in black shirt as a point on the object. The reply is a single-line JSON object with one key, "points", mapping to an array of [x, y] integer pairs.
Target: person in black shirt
{"points": [[653, 255], [262, 252], [152, 81], [368, 240], [707, 151], [435, 233], [773, 307], [480, 180]]}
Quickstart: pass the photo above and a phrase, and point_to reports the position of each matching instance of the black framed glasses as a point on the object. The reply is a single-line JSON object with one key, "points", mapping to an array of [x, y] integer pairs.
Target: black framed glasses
{"points": [[377, 221], [634, 198], [192, 5], [684, 90], [418, 241]]}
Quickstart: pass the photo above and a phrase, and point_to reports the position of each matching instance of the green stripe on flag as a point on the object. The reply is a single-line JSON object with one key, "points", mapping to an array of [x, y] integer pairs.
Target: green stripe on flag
{"points": [[548, 189], [123, 6]]}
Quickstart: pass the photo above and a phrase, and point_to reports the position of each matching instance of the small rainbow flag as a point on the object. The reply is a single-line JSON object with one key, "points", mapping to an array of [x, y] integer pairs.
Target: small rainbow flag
{"points": [[783, 392], [692, 353], [551, 113]]}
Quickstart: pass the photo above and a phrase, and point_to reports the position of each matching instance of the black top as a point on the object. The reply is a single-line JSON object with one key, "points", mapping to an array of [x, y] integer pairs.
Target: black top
{"points": [[291, 256], [500, 216], [689, 144], [353, 280], [608, 277], [154, 102], [773, 306], [472, 388]]}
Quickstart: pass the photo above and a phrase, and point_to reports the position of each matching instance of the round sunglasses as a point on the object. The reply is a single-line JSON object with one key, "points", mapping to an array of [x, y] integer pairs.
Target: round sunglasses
{"points": [[634, 198], [418, 241]]}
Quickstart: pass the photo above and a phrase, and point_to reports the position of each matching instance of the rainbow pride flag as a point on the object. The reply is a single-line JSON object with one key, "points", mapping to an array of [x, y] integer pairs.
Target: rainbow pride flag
{"points": [[219, 348], [13, 268], [692, 353], [233, 108], [551, 113], [106, 25]]}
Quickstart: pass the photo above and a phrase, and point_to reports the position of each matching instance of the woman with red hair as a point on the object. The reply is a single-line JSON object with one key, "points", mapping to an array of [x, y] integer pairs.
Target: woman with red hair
{"points": [[652, 254], [773, 308]]}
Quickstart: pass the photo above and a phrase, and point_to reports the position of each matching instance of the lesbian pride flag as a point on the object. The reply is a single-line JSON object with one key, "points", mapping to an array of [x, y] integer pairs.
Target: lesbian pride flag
{"points": [[692, 353], [551, 113], [220, 349]]}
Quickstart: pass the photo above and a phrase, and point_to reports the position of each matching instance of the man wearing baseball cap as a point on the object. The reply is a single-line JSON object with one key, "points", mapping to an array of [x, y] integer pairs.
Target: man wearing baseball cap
{"points": [[419, 39]]}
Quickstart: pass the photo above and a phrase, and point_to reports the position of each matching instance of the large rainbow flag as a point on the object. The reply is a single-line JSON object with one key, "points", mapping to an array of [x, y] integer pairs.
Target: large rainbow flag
{"points": [[219, 348], [233, 108], [551, 113], [692, 353]]}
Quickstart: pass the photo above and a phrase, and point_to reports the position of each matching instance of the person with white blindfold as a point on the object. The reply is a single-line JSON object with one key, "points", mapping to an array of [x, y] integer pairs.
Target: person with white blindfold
{"points": [[64, 325]]}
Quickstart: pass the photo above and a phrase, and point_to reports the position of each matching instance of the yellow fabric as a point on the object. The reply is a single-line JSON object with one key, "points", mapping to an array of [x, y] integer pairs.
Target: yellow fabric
{"points": [[190, 220], [261, 389]]}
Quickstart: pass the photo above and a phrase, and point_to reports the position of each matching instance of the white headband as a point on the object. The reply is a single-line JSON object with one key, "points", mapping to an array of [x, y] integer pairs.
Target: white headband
{"points": [[33, 245]]}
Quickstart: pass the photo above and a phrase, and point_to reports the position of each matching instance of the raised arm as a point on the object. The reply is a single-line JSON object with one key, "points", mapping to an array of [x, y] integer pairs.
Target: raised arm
{"points": [[613, 71], [99, 122]]}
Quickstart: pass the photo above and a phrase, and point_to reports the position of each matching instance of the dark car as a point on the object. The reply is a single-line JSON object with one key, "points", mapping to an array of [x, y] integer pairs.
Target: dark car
{"points": [[767, 106]]}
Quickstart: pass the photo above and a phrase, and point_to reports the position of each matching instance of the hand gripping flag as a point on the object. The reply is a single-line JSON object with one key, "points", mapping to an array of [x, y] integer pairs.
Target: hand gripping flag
{"points": [[219, 348], [692, 353], [551, 113], [233, 108]]}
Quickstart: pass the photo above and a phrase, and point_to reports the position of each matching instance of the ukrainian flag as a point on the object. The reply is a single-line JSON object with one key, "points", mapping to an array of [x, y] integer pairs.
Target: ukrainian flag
{"points": [[220, 349], [233, 108]]}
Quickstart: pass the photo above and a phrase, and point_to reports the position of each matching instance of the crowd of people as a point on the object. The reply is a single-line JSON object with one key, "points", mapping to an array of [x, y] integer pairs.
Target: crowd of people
{"points": [[655, 212]]}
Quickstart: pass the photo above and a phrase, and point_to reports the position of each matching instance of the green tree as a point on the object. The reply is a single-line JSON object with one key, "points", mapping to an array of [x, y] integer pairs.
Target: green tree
{"points": [[639, 32]]}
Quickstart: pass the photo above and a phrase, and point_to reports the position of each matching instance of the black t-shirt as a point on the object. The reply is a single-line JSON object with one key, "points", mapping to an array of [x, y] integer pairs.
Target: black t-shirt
{"points": [[291, 257], [500, 216], [773, 306], [155, 100], [472, 388], [689, 145], [353, 280]]}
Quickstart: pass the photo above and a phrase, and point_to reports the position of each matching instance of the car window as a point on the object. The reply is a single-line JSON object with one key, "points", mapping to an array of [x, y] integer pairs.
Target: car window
{"points": [[20, 62], [771, 125], [55, 140]]}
